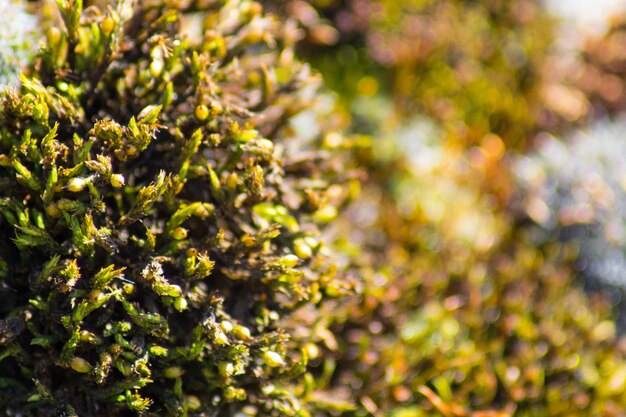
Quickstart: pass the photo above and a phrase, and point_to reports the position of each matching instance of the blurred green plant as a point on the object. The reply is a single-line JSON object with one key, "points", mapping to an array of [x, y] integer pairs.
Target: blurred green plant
{"points": [[462, 312], [475, 67]]}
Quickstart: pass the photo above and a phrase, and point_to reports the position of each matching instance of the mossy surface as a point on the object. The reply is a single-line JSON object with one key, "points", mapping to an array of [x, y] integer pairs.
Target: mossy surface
{"points": [[190, 234], [161, 216]]}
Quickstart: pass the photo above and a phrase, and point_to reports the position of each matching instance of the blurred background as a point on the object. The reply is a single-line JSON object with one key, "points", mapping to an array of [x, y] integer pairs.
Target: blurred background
{"points": [[490, 230]]}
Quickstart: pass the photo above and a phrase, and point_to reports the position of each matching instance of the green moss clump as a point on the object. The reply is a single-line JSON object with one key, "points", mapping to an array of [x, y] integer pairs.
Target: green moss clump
{"points": [[162, 216]]}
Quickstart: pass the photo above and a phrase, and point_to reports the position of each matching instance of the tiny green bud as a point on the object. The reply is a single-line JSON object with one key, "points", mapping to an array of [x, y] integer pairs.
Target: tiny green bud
{"points": [[107, 25], [226, 369], [248, 241], [301, 249], [265, 144], [202, 112], [115, 348], [220, 337], [157, 350], [204, 210], [179, 233], [128, 288], [86, 336], [76, 185], [95, 295], [325, 214], [232, 393], [311, 350], [273, 359], [52, 210], [180, 304], [311, 241], [34, 398], [117, 180], [216, 108], [246, 135], [242, 332], [173, 372], [131, 151], [80, 365], [232, 181], [125, 326], [227, 326], [53, 36], [171, 291], [252, 9], [333, 290], [63, 86], [289, 261], [193, 403], [156, 68], [254, 34]]}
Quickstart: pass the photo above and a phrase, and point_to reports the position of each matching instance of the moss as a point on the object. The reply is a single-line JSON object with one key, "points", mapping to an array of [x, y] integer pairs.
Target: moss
{"points": [[161, 216], [475, 67], [166, 178], [462, 313]]}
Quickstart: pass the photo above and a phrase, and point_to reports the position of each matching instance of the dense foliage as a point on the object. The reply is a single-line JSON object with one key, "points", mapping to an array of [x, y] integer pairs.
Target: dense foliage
{"points": [[191, 234], [162, 217]]}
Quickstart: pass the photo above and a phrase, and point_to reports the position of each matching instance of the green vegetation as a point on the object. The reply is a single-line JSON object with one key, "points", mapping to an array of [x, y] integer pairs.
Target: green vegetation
{"points": [[475, 67], [198, 229], [464, 311], [162, 219]]}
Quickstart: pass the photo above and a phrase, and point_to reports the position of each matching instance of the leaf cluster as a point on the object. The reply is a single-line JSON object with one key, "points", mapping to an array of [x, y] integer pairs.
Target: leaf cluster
{"points": [[161, 215]]}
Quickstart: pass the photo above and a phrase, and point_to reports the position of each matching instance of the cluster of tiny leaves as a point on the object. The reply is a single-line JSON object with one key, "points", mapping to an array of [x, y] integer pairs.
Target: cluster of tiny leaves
{"points": [[162, 218]]}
